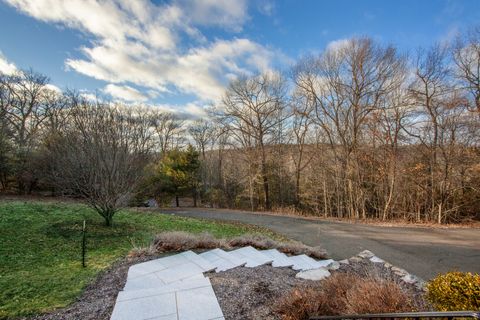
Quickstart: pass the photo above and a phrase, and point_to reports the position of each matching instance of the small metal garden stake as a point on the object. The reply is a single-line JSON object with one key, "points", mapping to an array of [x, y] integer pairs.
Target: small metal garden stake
{"points": [[84, 244]]}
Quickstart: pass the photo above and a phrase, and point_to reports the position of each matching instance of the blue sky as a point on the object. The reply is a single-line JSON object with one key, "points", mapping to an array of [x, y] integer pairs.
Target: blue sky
{"points": [[180, 54]]}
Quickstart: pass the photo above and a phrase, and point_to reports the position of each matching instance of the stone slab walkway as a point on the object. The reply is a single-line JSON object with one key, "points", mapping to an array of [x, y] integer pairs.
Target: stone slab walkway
{"points": [[175, 287]]}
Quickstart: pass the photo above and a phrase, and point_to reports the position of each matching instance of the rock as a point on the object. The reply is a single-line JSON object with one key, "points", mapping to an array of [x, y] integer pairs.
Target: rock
{"points": [[151, 203], [344, 261], [387, 265], [355, 259], [420, 285], [399, 271], [409, 279], [334, 265], [366, 254], [314, 274], [376, 259]]}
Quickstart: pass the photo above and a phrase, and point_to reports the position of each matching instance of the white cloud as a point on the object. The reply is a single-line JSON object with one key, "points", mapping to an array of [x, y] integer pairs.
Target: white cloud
{"points": [[5, 66], [449, 36], [195, 110], [266, 7], [9, 68], [190, 111], [125, 93], [157, 47], [231, 14], [89, 96], [337, 44], [53, 87]]}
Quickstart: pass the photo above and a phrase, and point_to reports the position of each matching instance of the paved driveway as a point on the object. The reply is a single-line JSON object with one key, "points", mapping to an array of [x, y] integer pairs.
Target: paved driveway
{"points": [[421, 251]]}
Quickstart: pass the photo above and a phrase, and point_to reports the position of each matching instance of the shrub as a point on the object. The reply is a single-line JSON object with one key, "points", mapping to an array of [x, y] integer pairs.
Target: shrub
{"points": [[343, 294], [377, 296], [455, 291]]}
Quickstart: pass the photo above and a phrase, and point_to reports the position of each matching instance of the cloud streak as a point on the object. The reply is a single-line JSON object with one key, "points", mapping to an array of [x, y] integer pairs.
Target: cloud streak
{"points": [[5, 66], [156, 47], [125, 93]]}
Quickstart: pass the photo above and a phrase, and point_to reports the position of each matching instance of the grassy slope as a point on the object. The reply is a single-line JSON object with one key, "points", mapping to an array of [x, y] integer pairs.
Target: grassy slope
{"points": [[40, 257]]}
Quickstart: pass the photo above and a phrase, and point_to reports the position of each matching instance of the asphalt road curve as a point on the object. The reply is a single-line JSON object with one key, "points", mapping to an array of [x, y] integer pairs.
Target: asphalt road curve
{"points": [[422, 251]]}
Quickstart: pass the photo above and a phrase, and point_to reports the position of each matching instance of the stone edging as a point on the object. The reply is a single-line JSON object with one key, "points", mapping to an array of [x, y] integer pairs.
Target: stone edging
{"points": [[401, 273]]}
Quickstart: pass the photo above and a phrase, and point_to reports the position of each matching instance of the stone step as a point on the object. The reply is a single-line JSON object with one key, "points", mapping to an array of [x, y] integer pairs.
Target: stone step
{"points": [[304, 262], [144, 282], [193, 301], [222, 260], [172, 274], [198, 304], [166, 288], [252, 256], [279, 259], [160, 264], [163, 306]]}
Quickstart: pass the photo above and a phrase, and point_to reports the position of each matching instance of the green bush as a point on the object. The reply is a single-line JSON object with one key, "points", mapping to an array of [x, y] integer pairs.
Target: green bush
{"points": [[455, 291]]}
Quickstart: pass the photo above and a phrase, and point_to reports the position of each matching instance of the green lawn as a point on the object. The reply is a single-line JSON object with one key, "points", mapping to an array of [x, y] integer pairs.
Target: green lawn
{"points": [[40, 242]]}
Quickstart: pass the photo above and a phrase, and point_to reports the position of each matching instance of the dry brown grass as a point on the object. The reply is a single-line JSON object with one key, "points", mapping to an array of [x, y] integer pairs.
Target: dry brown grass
{"points": [[256, 241], [181, 241], [343, 294], [291, 247], [296, 248]]}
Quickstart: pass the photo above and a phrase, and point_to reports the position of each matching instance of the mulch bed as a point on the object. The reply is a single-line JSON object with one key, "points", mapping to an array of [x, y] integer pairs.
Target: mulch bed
{"points": [[252, 293], [365, 268], [249, 293], [243, 293]]}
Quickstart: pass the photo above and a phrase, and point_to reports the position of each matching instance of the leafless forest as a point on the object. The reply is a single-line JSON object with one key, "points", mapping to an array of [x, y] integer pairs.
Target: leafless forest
{"points": [[358, 131]]}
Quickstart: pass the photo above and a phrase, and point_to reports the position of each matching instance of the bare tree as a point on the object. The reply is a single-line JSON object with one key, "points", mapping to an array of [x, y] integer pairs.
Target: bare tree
{"points": [[347, 84], [301, 128], [253, 107], [101, 154], [466, 55], [202, 133], [429, 90], [169, 128], [24, 109]]}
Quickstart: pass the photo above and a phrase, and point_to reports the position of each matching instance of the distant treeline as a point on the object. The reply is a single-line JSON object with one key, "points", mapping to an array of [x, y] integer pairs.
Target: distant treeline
{"points": [[358, 131]]}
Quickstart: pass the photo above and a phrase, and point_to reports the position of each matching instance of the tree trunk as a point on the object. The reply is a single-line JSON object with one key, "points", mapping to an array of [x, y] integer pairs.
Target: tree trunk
{"points": [[266, 190], [439, 217], [297, 188], [108, 219], [325, 201], [177, 202], [265, 179]]}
